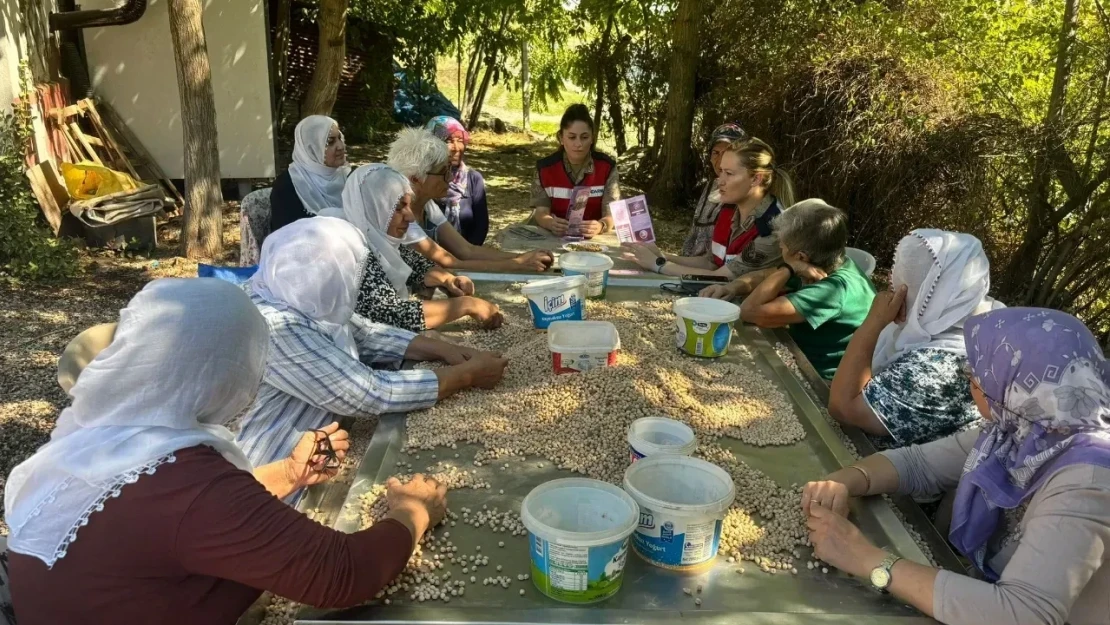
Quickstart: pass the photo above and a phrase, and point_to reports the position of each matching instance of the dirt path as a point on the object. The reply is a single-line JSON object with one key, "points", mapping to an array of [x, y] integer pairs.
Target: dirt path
{"points": [[37, 321]]}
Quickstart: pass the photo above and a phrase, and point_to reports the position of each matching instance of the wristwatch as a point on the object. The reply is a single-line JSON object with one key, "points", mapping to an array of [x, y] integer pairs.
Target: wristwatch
{"points": [[659, 262], [880, 575]]}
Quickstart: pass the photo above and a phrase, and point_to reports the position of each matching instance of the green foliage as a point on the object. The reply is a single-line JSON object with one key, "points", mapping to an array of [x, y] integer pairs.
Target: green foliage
{"points": [[27, 249]]}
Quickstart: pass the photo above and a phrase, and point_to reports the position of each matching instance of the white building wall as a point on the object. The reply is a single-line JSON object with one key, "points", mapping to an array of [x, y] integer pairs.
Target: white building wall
{"points": [[132, 67], [23, 39]]}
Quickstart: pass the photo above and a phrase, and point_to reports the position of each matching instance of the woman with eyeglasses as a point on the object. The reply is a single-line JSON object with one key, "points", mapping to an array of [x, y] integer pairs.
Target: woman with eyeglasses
{"points": [[378, 201], [1032, 484], [423, 158], [142, 509], [900, 377], [314, 180]]}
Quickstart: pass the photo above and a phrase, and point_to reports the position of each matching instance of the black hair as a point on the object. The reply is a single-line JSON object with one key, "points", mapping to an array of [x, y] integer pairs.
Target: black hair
{"points": [[577, 113]]}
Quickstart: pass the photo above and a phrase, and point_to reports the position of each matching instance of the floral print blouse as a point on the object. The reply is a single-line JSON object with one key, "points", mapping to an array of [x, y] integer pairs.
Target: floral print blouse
{"points": [[920, 397], [378, 300]]}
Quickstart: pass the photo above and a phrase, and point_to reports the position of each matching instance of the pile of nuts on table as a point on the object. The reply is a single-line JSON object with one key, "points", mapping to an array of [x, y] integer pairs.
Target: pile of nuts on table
{"points": [[579, 422]]}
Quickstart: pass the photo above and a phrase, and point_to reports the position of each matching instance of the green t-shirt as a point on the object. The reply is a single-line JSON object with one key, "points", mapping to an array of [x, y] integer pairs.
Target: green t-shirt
{"points": [[833, 308]]}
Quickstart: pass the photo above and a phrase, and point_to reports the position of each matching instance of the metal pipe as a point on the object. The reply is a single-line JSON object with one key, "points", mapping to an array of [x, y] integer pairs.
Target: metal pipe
{"points": [[126, 13]]}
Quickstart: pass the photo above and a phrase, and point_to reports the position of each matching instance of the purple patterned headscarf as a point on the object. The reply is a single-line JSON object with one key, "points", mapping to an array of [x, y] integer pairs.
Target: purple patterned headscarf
{"points": [[1048, 387], [446, 127]]}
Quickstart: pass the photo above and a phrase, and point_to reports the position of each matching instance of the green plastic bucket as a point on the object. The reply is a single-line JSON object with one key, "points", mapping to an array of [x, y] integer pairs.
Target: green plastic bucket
{"points": [[704, 325]]}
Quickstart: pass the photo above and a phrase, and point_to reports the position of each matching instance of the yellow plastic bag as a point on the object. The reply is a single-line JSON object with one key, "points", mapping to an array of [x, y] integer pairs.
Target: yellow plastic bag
{"points": [[86, 180]]}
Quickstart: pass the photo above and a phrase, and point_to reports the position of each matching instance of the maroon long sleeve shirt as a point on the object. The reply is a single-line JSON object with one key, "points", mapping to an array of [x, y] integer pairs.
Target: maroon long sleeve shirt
{"points": [[197, 542]]}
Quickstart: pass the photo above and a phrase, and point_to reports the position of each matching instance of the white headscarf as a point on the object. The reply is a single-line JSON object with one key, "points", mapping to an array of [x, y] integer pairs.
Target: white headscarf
{"points": [[948, 277], [314, 267], [186, 358], [370, 199], [318, 185]]}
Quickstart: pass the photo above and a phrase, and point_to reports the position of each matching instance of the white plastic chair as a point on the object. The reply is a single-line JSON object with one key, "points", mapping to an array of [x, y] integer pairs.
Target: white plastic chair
{"points": [[865, 260]]}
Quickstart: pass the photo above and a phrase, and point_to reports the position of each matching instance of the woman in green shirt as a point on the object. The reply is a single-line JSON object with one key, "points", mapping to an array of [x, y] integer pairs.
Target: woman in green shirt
{"points": [[818, 293]]}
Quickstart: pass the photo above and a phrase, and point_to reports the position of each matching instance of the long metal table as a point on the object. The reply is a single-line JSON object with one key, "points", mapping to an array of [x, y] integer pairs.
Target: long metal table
{"points": [[648, 594]]}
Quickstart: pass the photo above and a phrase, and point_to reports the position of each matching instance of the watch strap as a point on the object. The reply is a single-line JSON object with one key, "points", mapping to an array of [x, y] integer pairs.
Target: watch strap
{"points": [[887, 564], [788, 268]]}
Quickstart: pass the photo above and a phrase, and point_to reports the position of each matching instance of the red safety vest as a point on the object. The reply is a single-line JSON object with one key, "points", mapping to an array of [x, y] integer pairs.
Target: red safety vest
{"points": [[558, 184], [724, 248]]}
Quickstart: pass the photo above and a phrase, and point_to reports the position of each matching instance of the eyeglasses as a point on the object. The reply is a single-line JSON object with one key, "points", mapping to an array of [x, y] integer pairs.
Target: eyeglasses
{"points": [[324, 448], [970, 374], [446, 173]]}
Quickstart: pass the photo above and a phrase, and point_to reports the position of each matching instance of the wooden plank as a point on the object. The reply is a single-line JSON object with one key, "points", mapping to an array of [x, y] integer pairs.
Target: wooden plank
{"points": [[50, 192], [117, 124], [74, 149], [76, 130], [113, 145]]}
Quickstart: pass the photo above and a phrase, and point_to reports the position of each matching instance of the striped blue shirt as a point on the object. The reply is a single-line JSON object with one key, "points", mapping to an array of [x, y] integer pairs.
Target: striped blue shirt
{"points": [[309, 382]]}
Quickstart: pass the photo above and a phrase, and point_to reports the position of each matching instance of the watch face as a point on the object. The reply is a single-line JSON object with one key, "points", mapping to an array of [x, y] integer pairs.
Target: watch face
{"points": [[880, 578]]}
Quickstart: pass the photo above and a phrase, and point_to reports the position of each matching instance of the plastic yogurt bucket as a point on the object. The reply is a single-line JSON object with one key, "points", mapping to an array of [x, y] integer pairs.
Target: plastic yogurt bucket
{"points": [[592, 265], [578, 533], [651, 436], [582, 345], [683, 502], [556, 299], [704, 325]]}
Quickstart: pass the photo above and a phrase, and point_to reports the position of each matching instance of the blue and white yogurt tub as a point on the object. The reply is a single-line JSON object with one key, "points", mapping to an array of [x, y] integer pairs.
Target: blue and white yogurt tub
{"points": [[683, 502], [578, 533], [650, 436], [556, 299]]}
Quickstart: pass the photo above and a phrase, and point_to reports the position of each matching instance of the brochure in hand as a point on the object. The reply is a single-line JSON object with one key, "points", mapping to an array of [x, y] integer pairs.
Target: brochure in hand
{"points": [[632, 220]]}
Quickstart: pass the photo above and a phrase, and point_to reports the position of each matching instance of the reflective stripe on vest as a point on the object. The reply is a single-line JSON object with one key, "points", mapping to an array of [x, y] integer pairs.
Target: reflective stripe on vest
{"points": [[557, 184]]}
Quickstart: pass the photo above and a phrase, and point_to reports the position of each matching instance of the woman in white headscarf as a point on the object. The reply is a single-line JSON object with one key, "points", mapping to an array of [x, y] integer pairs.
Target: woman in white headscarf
{"points": [[142, 509], [900, 380], [377, 201], [315, 179], [324, 360]]}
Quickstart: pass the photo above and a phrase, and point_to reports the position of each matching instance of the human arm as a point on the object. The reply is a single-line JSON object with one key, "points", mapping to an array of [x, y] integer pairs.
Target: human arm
{"points": [[439, 312], [544, 219], [846, 401], [610, 194], [873, 475], [1064, 541], [235, 530], [482, 370], [646, 254], [424, 348], [738, 288], [304, 467], [538, 260], [379, 302], [764, 306], [306, 364]]}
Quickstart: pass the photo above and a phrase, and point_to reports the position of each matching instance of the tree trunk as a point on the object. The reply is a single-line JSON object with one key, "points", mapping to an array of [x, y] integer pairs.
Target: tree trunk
{"points": [[491, 63], [458, 73], [1042, 219], [472, 75], [202, 230], [480, 97], [601, 61], [616, 115], [281, 52], [319, 97], [525, 88], [669, 183]]}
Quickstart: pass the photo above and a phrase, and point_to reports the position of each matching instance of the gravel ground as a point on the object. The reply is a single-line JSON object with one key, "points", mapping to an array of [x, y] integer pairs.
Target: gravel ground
{"points": [[38, 320]]}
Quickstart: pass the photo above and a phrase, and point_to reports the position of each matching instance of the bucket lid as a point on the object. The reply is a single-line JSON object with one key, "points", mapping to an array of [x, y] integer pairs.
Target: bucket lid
{"points": [[604, 493], [707, 309], [662, 482], [553, 284], [569, 336], [585, 261]]}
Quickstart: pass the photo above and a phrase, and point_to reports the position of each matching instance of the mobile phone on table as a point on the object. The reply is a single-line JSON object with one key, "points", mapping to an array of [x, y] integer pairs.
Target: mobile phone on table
{"points": [[706, 279]]}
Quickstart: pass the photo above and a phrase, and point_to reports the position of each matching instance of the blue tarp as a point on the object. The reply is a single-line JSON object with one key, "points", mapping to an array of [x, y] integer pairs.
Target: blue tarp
{"points": [[415, 102], [234, 275]]}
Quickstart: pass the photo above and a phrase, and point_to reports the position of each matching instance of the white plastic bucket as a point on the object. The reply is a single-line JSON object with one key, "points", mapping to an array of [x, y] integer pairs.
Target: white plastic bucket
{"points": [[578, 533], [683, 502], [556, 299], [651, 436], [592, 265], [582, 345], [704, 325]]}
